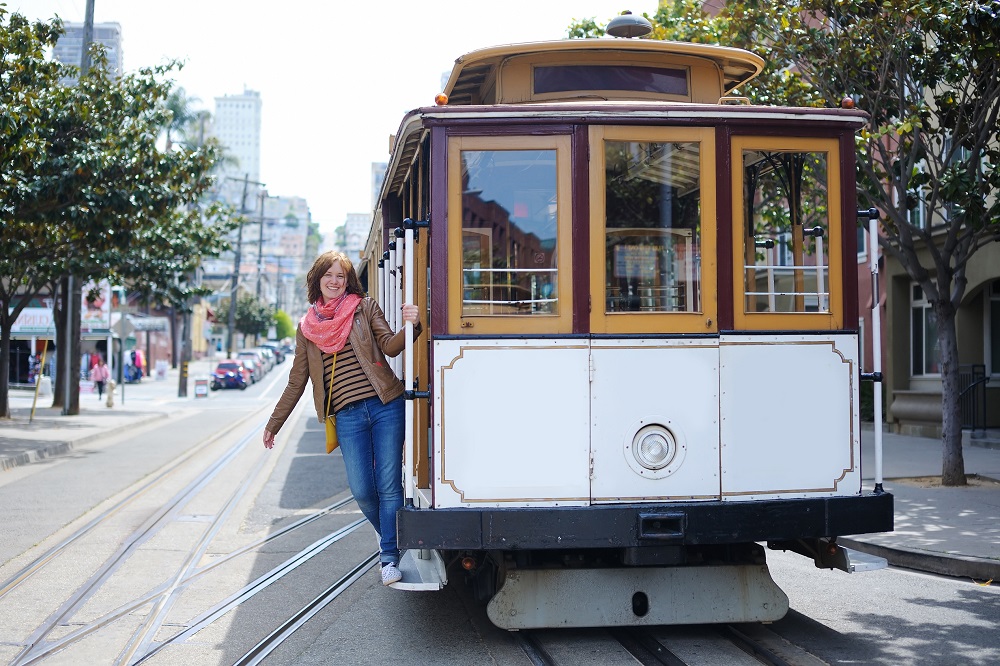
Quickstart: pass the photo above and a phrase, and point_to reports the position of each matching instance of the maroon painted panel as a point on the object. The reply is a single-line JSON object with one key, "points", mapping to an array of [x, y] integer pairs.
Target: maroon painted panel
{"points": [[438, 231], [580, 166], [724, 228], [849, 234]]}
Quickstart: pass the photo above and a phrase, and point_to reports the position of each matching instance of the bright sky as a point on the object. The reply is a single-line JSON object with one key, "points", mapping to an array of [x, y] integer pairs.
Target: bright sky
{"points": [[335, 77]]}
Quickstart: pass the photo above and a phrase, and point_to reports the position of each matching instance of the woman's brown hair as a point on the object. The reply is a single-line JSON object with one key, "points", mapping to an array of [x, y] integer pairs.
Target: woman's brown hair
{"points": [[321, 266]]}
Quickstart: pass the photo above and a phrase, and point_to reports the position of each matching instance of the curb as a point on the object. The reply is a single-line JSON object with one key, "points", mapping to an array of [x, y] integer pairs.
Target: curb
{"points": [[35, 455], [985, 443], [956, 566]]}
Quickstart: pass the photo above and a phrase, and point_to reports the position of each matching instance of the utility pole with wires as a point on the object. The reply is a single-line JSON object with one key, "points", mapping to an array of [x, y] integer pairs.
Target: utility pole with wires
{"points": [[260, 242], [73, 287], [234, 292]]}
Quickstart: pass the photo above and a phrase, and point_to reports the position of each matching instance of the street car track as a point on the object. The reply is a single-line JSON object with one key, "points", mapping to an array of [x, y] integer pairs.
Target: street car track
{"points": [[289, 626], [41, 643], [163, 475], [35, 647], [671, 646]]}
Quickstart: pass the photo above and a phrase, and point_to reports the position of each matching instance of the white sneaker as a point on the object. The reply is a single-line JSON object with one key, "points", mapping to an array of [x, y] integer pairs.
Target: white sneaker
{"points": [[391, 574]]}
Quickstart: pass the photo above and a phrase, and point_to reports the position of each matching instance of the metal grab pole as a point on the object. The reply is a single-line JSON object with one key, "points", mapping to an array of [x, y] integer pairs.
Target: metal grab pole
{"points": [[876, 347], [397, 298], [408, 443]]}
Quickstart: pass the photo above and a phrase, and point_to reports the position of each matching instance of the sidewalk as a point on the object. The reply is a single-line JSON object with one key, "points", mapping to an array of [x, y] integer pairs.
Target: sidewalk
{"points": [[949, 531]]}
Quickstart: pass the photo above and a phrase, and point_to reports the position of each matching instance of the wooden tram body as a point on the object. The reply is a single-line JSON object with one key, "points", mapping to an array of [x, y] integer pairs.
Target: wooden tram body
{"points": [[641, 356]]}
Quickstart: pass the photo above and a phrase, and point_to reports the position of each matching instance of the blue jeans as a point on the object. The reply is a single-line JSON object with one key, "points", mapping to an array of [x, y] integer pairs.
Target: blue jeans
{"points": [[371, 440]]}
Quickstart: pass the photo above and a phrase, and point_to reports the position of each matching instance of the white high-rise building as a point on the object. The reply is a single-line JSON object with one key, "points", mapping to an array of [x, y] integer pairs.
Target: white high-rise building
{"points": [[69, 49], [237, 127], [378, 177], [356, 228]]}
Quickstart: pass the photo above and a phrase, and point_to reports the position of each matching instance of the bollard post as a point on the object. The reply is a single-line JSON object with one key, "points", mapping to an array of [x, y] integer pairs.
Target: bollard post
{"points": [[182, 386]]}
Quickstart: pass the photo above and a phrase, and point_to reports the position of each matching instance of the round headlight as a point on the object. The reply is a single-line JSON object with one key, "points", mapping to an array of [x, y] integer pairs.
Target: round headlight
{"points": [[654, 450], [654, 447]]}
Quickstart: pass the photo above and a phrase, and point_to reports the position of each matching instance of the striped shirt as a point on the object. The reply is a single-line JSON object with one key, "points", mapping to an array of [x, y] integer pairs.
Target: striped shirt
{"points": [[352, 384]]}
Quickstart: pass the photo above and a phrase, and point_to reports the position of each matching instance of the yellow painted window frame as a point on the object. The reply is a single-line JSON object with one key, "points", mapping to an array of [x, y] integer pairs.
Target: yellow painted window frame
{"points": [[561, 323], [776, 321], [703, 321]]}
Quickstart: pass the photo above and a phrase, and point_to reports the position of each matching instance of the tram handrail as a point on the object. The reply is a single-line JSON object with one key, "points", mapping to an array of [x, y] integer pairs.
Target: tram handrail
{"points": [[408, 367], [872, 215], [395, 297]]}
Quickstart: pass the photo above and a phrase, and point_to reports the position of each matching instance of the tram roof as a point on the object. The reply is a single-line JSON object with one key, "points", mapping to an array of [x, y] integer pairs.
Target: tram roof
{"points": [[473, 71]]}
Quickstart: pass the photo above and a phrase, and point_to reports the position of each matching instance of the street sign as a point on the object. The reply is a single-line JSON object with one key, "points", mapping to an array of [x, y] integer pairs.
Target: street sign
{"points": [[124, 328]]}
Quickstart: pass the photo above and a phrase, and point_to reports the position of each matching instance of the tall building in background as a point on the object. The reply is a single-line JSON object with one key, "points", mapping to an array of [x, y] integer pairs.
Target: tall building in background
{"points": [[378, 177], [356, 229], [236, 124], [69, 48], [237, 127]]}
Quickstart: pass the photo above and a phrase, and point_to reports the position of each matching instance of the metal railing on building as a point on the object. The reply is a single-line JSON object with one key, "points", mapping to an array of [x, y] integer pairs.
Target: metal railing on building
{"points": [[973, 379]]}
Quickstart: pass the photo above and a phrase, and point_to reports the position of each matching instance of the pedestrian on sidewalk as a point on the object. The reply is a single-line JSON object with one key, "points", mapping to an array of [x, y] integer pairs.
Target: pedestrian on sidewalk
{"points": [[99, 374], [341, 345]]}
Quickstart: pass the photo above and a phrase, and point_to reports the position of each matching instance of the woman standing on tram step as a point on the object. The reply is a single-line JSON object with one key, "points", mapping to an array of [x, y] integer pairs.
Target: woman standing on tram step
{"points": [[367, 395]]}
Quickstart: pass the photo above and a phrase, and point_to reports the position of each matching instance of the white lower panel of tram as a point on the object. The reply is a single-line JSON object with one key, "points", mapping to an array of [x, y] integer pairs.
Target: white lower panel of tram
{"points": [[544, 422], [789, 417]]}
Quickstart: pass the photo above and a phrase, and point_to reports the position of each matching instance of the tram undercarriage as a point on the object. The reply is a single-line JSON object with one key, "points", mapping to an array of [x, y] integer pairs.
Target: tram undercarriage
{"points": [[630, 596], [631, 566], [605, 588]]}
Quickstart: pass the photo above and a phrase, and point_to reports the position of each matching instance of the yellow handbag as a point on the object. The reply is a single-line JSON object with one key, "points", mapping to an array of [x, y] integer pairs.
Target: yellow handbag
{"points": [[331, 420]]}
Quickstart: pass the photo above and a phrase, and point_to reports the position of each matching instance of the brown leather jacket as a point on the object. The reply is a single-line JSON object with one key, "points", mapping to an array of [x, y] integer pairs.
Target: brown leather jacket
{"points": [[372, 340]]}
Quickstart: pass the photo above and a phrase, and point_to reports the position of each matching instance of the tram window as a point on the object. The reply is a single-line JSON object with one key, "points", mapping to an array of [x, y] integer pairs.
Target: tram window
{"points": [[652, 226], [566, 78], [509, 232], [786, 231]]}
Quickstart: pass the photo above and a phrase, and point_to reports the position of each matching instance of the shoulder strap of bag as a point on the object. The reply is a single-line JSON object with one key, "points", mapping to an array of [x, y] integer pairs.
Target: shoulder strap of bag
{"points": [[329, 396]]}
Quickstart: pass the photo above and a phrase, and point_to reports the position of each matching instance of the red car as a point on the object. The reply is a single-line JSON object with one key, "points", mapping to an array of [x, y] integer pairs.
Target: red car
{"points": [[231, 374]]}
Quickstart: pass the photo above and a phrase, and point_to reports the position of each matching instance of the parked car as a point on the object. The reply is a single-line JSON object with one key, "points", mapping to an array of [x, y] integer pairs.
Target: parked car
{"points": [[279, 355], [255, 355], [269, 358], [256, 369], [230, 374]]}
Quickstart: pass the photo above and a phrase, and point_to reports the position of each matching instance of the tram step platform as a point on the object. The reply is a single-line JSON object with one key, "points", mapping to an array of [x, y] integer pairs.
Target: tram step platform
{"points": [[422, 570]]}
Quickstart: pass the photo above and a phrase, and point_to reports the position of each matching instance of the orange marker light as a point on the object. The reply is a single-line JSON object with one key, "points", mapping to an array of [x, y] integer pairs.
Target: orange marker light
{"points": [[468, 563], [440, 99]]}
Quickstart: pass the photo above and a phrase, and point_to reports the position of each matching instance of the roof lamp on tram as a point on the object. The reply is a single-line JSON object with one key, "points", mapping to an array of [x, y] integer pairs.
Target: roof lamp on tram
{"points": [[629, 25]]}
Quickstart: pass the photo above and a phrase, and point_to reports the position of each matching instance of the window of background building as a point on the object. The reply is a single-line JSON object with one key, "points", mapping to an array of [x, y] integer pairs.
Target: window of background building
{"points": [[925, 356]]}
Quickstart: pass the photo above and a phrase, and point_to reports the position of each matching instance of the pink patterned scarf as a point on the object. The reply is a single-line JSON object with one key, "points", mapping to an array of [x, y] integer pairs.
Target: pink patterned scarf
{"points": [[328, 324]]}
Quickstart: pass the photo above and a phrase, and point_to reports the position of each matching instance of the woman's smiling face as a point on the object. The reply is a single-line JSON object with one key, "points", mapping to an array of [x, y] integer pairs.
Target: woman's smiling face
{"points": [[333, 283]]}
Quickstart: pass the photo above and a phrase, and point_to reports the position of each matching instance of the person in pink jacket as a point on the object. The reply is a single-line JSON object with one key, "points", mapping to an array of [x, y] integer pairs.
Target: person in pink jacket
{"points": [[99, 374]]}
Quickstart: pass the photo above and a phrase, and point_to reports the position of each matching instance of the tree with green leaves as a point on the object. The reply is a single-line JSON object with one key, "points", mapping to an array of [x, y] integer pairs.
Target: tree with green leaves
{"points": [[928, 74], [284, 326], [253, 316], [86, 191]]}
